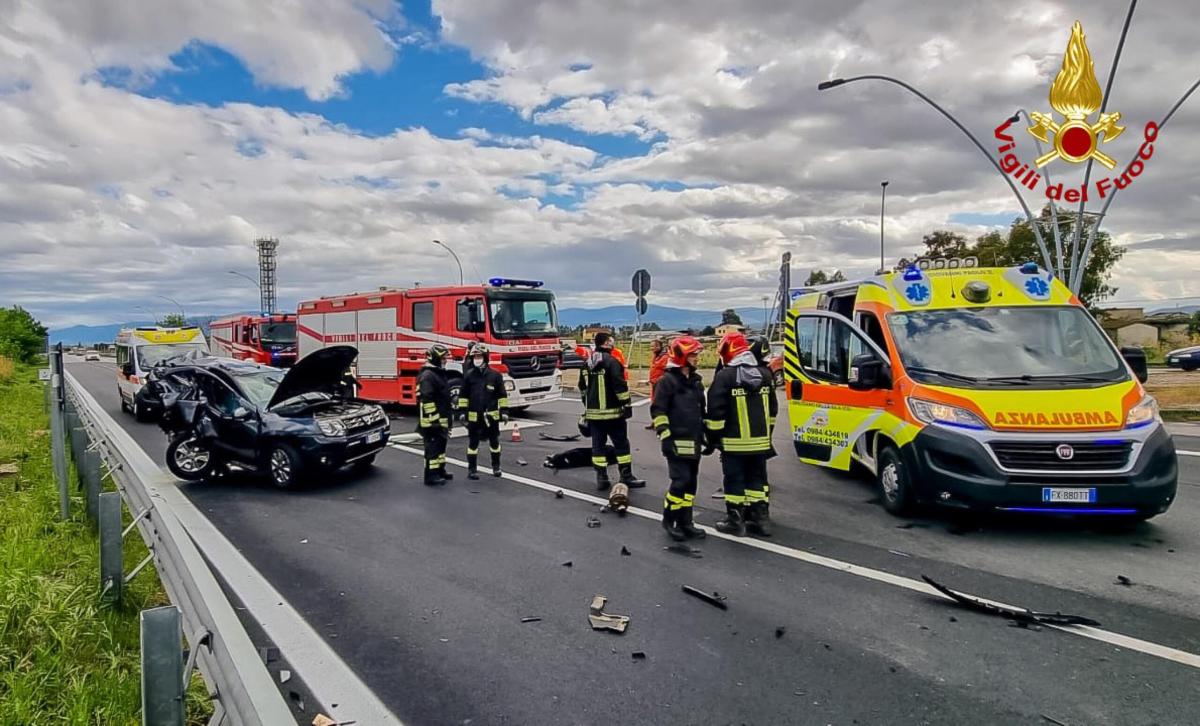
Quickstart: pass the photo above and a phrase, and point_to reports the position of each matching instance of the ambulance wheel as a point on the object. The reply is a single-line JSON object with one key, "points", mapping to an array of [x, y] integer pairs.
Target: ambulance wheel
{"points": [[139, 412], [895, 488], [124, 406]]}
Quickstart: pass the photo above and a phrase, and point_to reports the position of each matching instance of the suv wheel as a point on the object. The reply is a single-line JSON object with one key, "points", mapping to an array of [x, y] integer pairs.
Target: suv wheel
{"points": [[895, 489], [189, 459], [285, 467]]}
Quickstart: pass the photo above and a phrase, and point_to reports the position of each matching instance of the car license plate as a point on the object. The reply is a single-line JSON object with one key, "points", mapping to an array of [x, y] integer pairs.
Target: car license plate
{"points": [[372, 438], [1073, 496]]}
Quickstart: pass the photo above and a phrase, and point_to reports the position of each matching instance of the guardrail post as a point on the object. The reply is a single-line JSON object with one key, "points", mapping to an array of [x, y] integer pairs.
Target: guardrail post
{"points": [[112, 563], [58, 432], [162, 667], [79, 442], [90, 471]]}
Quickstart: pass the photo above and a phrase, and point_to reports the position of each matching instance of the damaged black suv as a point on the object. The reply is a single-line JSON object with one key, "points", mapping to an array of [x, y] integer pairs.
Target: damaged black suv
{"points": [[288, 425]]}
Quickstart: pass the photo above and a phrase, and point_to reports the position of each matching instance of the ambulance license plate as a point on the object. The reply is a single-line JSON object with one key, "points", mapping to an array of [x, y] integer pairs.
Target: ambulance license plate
{"points": [[1072, 496], [373, 438]]}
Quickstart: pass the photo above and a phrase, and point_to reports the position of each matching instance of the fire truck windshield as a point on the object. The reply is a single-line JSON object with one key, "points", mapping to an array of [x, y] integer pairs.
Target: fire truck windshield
{"points": [[279, 333], [523, 314]]}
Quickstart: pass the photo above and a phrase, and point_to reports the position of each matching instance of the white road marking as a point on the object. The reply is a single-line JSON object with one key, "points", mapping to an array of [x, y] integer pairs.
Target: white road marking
{"points": [[1105, 636], [1187, 453]]}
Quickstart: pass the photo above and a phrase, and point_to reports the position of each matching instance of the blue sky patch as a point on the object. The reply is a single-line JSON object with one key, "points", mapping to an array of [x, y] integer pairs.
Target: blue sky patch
{"points": [[1003, 219]]}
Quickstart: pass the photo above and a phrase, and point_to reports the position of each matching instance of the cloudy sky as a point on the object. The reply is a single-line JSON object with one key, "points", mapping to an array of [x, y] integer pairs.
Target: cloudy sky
{"points": [[143, 145]]}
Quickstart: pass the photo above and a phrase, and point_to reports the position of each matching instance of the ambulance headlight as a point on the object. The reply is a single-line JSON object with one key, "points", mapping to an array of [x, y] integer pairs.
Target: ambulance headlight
{"points": [[932, 412], [1142, 414]]}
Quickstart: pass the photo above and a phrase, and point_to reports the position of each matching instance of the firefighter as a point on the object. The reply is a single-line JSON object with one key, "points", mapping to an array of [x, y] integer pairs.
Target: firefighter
{"points": [[678, 416], [658, 366], [607, 409], [433, 401], [739, 421], [761, 348], [484, 404]]}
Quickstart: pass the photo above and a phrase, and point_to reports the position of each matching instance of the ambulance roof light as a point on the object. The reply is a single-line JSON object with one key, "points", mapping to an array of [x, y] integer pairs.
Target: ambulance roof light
{"points": [[509, 282], [977, 291], [912, 273], [1029, 268]]}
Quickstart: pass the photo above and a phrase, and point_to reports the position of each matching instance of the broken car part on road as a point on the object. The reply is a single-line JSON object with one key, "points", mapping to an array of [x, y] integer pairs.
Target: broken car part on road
{"points": [[1018, 614]]}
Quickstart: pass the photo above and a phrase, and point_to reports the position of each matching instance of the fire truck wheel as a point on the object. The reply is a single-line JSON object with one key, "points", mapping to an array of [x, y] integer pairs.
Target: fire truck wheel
{"points": [[895, 489], [285, 467]]}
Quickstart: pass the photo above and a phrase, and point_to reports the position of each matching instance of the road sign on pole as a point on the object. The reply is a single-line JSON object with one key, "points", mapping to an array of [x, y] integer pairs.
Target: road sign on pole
{"points": [[641, 283]]}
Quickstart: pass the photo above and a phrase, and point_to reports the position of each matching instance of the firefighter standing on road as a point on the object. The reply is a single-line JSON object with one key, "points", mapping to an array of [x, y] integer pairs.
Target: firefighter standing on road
{"points": [[678, 416], [658, 366], [484, 403], [607, 409], [739, 421], [434, 422]]}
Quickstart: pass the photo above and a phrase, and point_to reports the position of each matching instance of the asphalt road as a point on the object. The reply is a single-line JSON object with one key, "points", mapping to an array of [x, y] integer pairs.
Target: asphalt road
{"points": [[422, 591]]}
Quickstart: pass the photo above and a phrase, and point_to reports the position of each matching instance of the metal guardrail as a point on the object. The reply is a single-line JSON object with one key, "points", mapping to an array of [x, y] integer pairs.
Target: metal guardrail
{"points": [[239, 683]]}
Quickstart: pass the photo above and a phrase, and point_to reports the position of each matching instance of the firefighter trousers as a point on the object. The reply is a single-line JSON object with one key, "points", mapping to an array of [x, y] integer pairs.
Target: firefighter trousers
{"points": [[745, 478], [434, 440], [476, 432], [684, 474], [617, 432]]}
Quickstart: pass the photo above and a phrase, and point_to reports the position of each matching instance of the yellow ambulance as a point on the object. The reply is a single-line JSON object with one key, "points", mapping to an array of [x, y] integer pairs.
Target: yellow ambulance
{"points": [[140, 349], [978, 388]]}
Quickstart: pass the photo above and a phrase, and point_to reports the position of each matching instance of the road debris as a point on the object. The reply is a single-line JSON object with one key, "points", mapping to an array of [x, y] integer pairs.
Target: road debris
{"points": [[779, 632], [715, 599], [898, 553], [593, 522], [559, 494], [1020, 615], [531, 619], [1124, 581], [522, 462], [1051, 719], [639, 655], [304, 541], [618, 498], [601, 620], [568, 563], [323, 720], [558, 437], [285, 676], [269, 653], [625, 551], [682, 549], [297, 699]]}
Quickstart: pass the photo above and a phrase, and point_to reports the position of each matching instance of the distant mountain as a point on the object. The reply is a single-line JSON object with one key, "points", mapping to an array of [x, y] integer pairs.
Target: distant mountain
{"points": [[668, 318], [92, 334]]}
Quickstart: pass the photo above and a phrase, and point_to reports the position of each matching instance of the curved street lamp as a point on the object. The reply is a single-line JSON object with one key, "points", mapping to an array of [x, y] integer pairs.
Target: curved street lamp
{"points": [[1037, 232], [244, 276], [182, 314], [446, 247]]}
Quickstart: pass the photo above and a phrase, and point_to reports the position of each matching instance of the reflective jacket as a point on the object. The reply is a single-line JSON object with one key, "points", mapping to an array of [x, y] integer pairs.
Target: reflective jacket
{"points": [[742, 408], [482, 396], [678, 412], [658, 368], [433, 399], [603, 388]]}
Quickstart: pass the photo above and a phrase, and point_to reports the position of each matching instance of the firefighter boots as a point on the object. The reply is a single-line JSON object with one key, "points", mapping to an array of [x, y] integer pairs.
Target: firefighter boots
{"points": [[670, 522], [496, 464], [628, 479], [735, 520], [688, 527], [472, 466], [602, 480], [758, 519]]}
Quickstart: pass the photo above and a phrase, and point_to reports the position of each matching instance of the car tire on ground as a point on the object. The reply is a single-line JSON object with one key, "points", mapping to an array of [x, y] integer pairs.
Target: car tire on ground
{"points": [[895, 488], [189, 460], [518, 410], [1189, 367], [285, 468], [139, 412]]}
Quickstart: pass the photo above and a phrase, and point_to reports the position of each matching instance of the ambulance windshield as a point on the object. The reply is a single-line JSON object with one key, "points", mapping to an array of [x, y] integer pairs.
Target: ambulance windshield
{"points": [[1002, 346], [523, 314]]}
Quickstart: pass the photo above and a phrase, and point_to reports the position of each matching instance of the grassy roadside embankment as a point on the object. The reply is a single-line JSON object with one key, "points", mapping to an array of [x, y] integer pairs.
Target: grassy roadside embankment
{"points": [[64, 657]]}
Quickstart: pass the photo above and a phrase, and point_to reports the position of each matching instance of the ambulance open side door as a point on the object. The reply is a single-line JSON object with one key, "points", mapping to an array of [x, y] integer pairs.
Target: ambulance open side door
{"points": [[840, 389]]}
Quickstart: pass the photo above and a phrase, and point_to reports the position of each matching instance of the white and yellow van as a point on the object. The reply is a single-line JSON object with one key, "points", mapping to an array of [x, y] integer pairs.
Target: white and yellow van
{"points": [[980, 388], [139, 350]]}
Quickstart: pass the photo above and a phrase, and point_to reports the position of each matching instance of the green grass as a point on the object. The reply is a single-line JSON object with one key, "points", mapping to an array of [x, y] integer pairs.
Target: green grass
{"points": [[64, 657]]}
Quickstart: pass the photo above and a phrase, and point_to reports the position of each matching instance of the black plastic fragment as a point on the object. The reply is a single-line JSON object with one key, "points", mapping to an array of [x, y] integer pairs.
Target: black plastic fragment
{"points": [[714, 599], [1020, 615]]}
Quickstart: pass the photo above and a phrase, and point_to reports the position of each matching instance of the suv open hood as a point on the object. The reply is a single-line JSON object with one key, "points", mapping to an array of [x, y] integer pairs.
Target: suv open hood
{"points": [[318, 372]]}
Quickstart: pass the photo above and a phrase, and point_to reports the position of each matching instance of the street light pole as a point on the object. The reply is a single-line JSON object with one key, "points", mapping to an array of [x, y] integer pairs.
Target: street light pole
{"points": [[1037, 232], [882, 205], [182, 314], [445, 246], [245, 277]]}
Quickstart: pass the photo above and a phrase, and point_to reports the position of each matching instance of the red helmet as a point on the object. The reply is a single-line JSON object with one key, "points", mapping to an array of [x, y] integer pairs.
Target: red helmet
{"points": [[682, 347], [731, 346]]}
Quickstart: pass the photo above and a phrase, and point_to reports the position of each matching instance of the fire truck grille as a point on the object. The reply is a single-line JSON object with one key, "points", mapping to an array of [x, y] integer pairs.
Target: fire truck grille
{"points": [[1084, 455], [531, 366]]}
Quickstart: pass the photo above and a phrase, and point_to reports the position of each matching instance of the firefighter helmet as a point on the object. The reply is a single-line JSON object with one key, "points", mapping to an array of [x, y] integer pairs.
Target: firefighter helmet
{"points": [[761, 348], [731, 346], [483, 350], [436, 355], [683, 347]]}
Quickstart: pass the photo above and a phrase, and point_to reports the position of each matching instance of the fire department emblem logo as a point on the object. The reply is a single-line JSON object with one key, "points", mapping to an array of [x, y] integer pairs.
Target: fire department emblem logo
{"points": [[1076, 95]]}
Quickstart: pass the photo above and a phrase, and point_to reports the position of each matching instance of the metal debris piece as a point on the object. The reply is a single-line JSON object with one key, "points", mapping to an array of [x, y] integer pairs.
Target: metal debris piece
{"points": [[714, 599], [522, 462], [531, 619], [1020, 615], [297, 699], [1052, 720], [285, 676], [559, 494], [639, 655], [568, 563], [604, 621], [593, 522], [558, 437], [625, 551], [304, 541], [1124, 581], [780, 631], [898, 553], [323, 720], [912, 525], [681, 549], [269, 654], [597, 605]]}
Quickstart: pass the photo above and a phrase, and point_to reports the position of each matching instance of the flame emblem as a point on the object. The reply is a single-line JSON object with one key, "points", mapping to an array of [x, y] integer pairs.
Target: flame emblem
{"points": [[1076, 95]]}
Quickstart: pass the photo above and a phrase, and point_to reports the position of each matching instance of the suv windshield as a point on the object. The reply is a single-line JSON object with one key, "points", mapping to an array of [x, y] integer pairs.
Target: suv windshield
{"points": [[523, 315], [259, 386], [149, 356], [279, 333], [1018, 346]]}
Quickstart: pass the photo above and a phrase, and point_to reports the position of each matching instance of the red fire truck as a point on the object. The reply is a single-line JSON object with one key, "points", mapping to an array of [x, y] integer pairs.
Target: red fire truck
{"points": [[392, 328], [266, 339]]}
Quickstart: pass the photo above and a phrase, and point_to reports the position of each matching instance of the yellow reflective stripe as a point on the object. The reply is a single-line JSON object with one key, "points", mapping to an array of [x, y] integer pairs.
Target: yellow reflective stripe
{"points": [[606, 414], [463, 403], [600, 397], [472, 416], [685, 447], [601, 461], [429, 406], [472, 452], [674, 503], [661, 421], [625, 458], [755, 444], [755, 496], [503, 403], [735, 499], [495, 450], [664, 434], [743, 414], [713, 424], [623, 396]]}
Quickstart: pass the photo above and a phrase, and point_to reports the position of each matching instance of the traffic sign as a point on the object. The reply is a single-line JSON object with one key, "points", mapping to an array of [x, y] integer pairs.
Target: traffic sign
{"points": [[641, 306], [641, 283]]}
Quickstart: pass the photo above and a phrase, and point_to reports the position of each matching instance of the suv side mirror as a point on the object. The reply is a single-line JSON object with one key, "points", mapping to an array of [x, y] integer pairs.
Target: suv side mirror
{"points": [[867, 372], [1136, 358]]}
